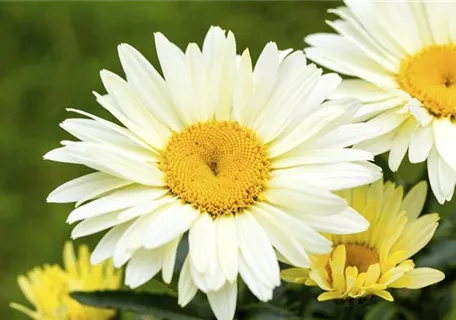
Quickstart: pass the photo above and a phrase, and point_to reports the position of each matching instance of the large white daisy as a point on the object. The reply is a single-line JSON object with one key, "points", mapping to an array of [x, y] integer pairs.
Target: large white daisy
{"points": [[405, 56], [243, 158]]}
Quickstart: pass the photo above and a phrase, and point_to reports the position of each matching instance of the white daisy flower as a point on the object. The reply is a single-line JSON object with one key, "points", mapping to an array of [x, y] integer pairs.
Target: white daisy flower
{"points": [[405, 56], [243, 158]]}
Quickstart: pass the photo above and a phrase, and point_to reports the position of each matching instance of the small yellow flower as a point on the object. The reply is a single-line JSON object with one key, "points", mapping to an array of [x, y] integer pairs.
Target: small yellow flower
{"points": [[370, 262], [48, 288]]}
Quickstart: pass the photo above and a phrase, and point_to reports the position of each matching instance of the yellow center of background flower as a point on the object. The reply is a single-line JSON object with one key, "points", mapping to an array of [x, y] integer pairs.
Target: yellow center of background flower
{"points": [[360, 257], [430, 76], [217, 166]]}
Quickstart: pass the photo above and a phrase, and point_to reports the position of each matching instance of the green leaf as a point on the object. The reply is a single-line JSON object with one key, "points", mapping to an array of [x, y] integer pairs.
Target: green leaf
{"points": [[160, 306], [265, 312], [382, 311]]}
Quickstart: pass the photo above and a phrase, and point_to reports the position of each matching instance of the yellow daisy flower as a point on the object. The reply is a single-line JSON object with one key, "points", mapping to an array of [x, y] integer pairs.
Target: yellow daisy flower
{"points": [[48, 288], [370, 262]]}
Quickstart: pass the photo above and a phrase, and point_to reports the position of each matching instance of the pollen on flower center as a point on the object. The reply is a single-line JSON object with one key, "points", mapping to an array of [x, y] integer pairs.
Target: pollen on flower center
{"points": [[360, 256], [430, 76], [217, 166]]}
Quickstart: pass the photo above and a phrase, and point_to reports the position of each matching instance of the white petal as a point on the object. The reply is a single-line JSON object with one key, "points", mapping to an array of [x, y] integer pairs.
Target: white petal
{"points": [[447, 177], [243, 88], [433, 173], [317, 156], [202, 242], [114, 162], [227, 246], [90, 185], [262, 291], [143, 266], [445, 135], [95, 225], [257, 250], [290, 93], [117, 200], [346, 222], [214, 278], [362, 38], [120, 139], [202, 109], [170, 221], [345, 136], [131, 240], [333, 176], [439, 15], [151, 130], [302, 197], [361, 89], [264, 79], [186, 288], [349, 60], [223, 301], [60, 155], [284, 242], [388, 121], [150, 86], [366, 13], [106, 246], [327, 84], [219, 52], [420, 144], [379, 144], [94, 131], [373, 109], [173, 65], [401, 143], [144, 208], [419, 112], [116, 128], [169, 259], [297, 229], [309, 127]]}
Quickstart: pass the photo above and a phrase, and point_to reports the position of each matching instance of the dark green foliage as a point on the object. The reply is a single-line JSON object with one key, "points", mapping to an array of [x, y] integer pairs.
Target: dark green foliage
{"points": [[160, 306]]}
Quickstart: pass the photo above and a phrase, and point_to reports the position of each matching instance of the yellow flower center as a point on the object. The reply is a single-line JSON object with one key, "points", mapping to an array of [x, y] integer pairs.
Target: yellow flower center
{"points": [[430, 76], [217, 166], [360, 257]]}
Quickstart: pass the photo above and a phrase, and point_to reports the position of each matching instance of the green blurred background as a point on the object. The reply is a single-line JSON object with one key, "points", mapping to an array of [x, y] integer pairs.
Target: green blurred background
{"points": [[50, 56]]}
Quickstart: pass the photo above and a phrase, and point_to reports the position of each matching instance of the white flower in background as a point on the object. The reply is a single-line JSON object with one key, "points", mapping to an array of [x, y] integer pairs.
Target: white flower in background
{"points": [[243, 158], [405, 56]]}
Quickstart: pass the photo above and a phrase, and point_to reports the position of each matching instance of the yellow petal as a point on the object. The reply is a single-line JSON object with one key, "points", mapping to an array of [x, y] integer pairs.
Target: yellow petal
{"points": [[84, 260], [417, 234], [295, 275], [337, 264], [393, 260], [310, 283], [373, 273], [325, 296], [26, 288], [351, 273], [423, 277], [316, 276], [361, 279], [384, 294], [358, 201], [391, 275], [414, 200], [69, 258], [32, 314]]}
